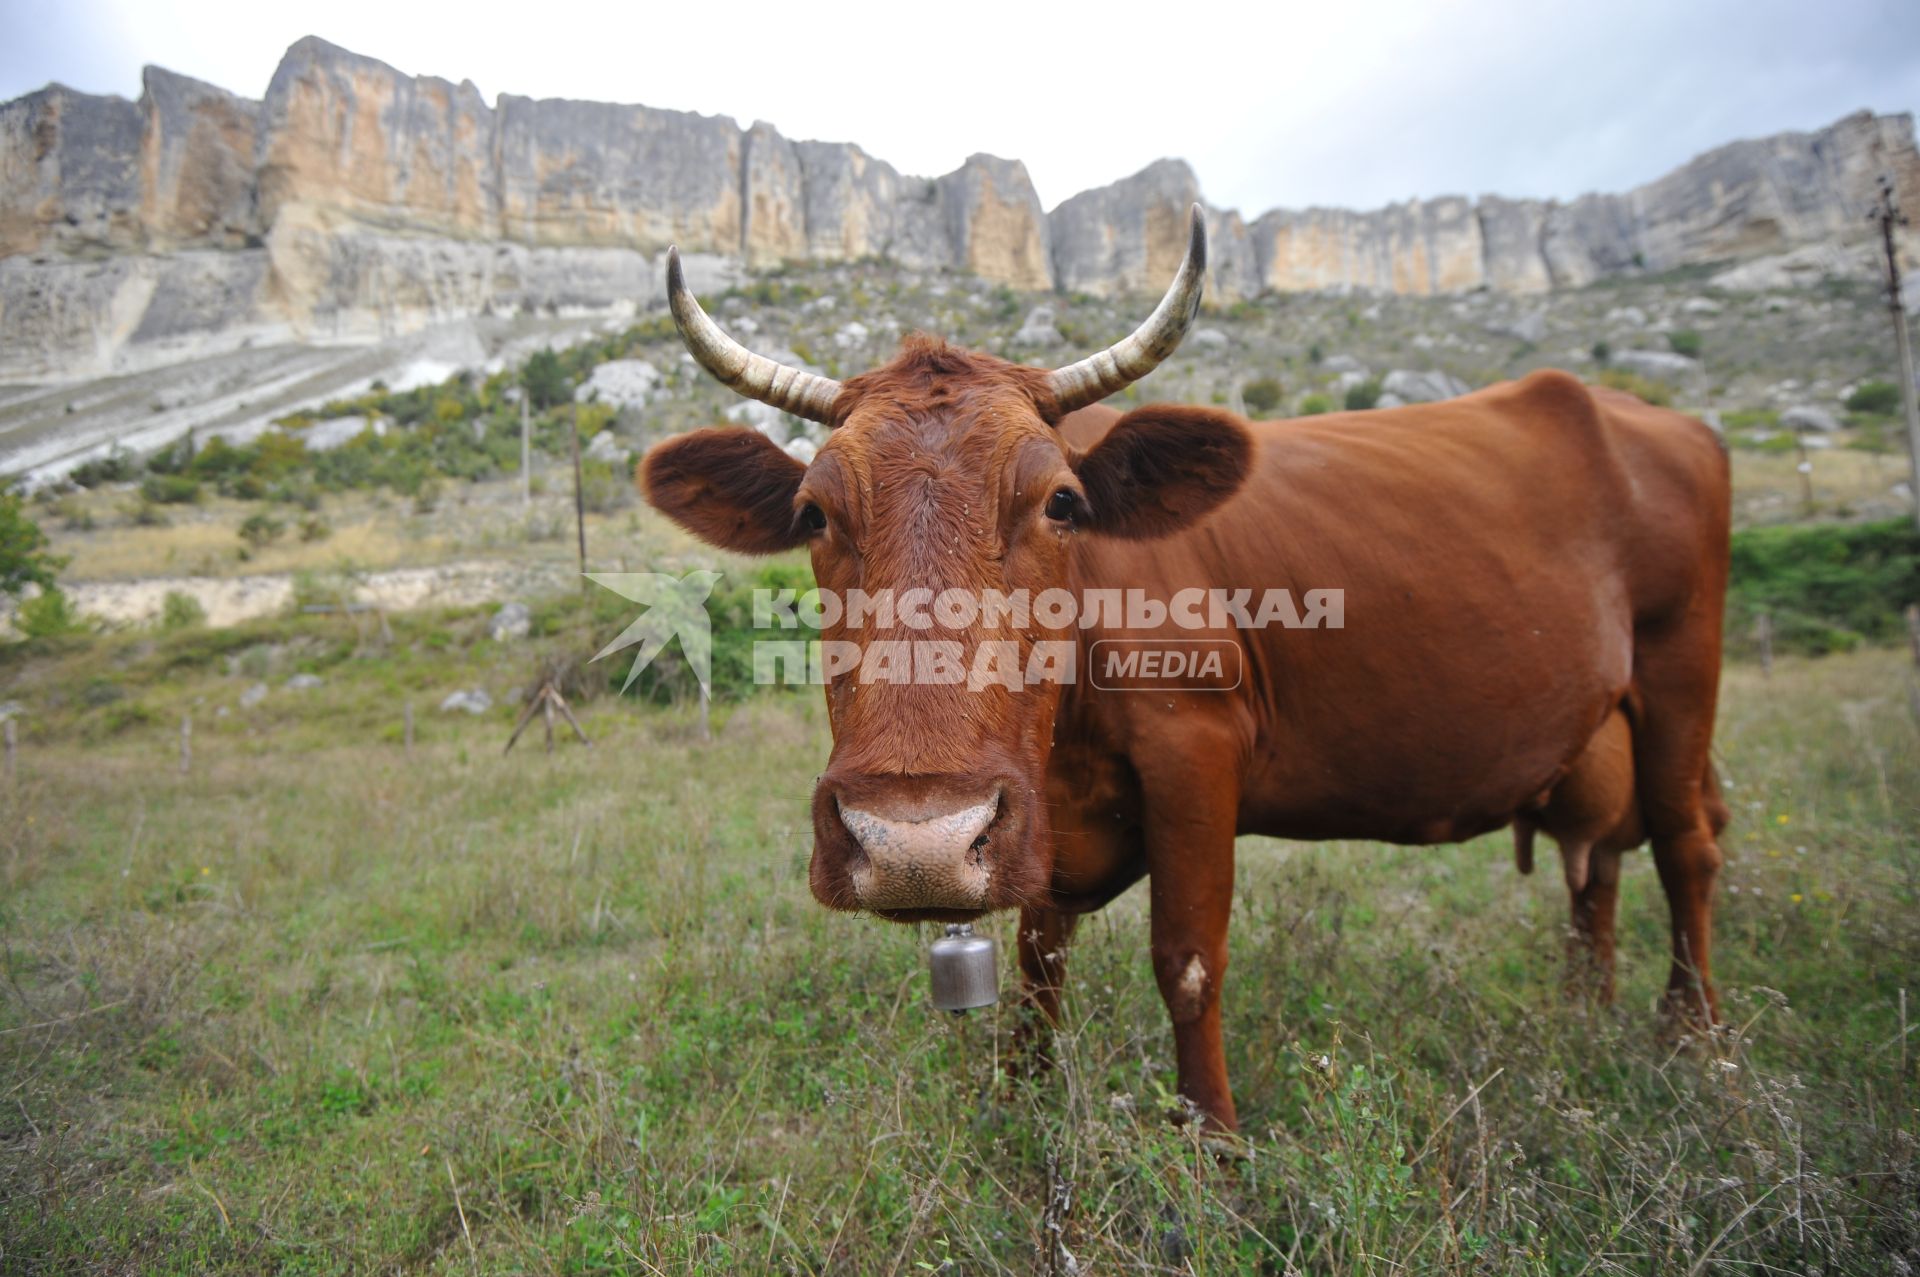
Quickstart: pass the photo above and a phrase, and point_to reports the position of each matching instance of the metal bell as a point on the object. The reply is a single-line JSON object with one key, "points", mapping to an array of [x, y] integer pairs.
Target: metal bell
{"points": [[965, 974]]}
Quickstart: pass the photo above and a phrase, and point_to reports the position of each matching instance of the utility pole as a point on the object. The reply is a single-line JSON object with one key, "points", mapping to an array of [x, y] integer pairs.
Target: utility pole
{"points": [[1889, 216]]}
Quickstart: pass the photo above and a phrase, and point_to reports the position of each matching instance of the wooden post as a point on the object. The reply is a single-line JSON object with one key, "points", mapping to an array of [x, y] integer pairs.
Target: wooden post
{"points": [[706, 730], [407, 718], [1889, 216], [526, 451], [579, 500], [1913, 640], [1806, 473], [186, 743], [12, 744], [1763, 630]]}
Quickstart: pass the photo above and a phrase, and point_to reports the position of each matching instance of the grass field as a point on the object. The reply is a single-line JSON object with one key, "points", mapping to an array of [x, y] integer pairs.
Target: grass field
{"points": [[323, 1006]]}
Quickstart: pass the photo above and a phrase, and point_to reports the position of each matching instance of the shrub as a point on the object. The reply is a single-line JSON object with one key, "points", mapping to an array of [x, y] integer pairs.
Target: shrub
{"points": [[1263, 395], [49, 614], [1685, 342], [1827, 586], [1602, 353], [1314, 405], [314, 528], [1634, 384], [24, 559], [1364, 396], [181, 611], [545, 379], [116, 467], [260, 530], [170, 489], [1879, 397]]}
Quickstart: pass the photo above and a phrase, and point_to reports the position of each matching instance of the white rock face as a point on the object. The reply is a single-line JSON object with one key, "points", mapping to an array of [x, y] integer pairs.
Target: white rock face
{"points": [[624, 383], [1422, 387], [1038, 329], [1807, 417], [1656, 363], [512, 621], [471, 701]]}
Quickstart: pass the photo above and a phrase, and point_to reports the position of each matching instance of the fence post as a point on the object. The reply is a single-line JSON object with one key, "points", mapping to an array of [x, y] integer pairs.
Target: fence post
{"points": [[1763, 627], [186, 743]]}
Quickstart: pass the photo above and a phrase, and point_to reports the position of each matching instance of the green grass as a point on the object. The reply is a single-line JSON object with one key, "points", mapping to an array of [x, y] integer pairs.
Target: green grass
{"points": [[321, 1006]]}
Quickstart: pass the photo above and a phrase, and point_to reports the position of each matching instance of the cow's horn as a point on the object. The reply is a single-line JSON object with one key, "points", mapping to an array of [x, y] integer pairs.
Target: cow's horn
{"points": [[789, 389], [1119, 366]]}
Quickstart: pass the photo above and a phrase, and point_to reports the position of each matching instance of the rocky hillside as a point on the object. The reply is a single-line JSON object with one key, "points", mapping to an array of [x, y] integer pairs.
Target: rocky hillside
{"points": [[356, 202]]}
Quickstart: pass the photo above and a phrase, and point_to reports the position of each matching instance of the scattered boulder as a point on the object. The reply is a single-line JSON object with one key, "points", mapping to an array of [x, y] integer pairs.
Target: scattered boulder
{"points": [[253, 696], [1207, 339], [1627, 317], [1387, 400], [1343, 363], [1656, 363], [1422, 387], [1701, 306], [1530, 327], [765, 418], [304, 682], [623, 383], [472, 700], [1808, 418], [852, 335], [606, 446], [512, 621], [1038, 329]]}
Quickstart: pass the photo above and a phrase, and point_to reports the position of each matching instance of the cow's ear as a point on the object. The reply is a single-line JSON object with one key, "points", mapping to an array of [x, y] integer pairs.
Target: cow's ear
{"points": [[1162, 468], [732, 488]]}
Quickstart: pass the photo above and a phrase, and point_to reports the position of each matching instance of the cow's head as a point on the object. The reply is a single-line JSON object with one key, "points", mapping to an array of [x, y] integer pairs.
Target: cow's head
{"points": [[943, 473]]}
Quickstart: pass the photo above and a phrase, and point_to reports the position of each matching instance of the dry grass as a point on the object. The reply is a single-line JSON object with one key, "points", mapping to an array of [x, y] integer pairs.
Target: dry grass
{"points": [[323, 1007]]}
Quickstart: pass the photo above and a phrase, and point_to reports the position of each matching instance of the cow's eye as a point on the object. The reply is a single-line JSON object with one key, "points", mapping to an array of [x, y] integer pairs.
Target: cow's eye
{"points": [[1062, 504], [812, 517]]}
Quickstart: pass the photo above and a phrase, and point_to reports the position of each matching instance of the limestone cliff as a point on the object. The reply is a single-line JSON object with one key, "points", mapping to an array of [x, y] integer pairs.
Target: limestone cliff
{"points": [[355, 199]]}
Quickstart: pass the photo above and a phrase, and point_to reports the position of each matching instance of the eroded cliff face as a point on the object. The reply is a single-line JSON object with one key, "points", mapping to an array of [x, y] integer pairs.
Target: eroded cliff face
{"points": [[356, 199]]}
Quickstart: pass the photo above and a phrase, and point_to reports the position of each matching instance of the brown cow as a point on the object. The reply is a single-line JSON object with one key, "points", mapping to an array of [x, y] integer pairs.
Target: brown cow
{"points": [[1515, 564]]}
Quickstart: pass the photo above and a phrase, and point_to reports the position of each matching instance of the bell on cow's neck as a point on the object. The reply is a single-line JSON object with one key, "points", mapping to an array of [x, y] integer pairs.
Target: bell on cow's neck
{"points": [[965, 974]]}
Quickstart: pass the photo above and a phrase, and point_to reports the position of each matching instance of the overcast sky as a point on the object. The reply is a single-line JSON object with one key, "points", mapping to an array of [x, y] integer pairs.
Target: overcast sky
{"points": [[1277, 104]]}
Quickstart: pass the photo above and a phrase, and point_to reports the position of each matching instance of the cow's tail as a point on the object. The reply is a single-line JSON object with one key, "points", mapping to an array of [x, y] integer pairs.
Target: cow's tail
{"points": [[1523, 844]]}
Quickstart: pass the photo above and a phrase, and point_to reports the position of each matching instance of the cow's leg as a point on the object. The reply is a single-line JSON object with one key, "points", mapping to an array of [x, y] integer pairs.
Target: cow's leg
{"points": [[1594, 891], [1677, 680], [1189, 839], [1042, 946]]}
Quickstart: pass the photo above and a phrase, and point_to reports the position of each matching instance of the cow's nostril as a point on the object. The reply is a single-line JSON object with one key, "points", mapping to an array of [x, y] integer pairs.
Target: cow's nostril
{"points": [[979, 843]]}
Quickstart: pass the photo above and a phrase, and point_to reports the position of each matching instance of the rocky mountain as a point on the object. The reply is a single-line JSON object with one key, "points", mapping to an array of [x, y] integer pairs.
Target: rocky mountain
{"points": [[357, 202]]}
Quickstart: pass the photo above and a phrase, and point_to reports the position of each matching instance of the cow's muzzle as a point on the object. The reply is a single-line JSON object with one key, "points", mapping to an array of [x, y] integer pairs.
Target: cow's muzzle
{"points": [[916, 857]]}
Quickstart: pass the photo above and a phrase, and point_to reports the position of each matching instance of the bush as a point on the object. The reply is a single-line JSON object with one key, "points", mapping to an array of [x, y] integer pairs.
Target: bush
{"points": [[261, 530], [1652, 392], [1364, 396], [1879, 397], [1602, 353], [1685, 342], [24, 559], [314, 528], [48, 615], [1827, 587], [545, 380], [116, 467], [180, 611], [1262, 396], [1314, 405], [170, 489]]}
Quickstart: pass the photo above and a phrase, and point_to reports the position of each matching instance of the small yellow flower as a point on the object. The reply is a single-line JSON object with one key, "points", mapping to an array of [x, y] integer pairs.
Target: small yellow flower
{"points": [[1795, 897], [204, 871], [1781, 819]]}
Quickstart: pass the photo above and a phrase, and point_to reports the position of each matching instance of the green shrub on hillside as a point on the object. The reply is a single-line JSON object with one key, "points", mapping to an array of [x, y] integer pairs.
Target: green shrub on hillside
{"points": [[1652, 392], [1827, 587], [1881, 397], [1262, 395], [170, 489], [1364, 396], [1314, 405], [1685, 342]]}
